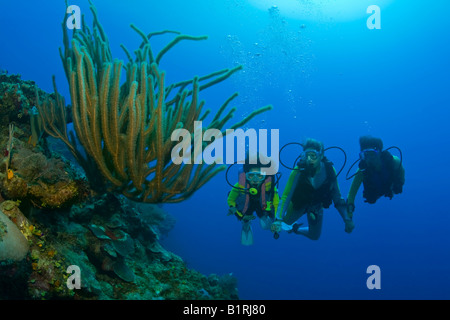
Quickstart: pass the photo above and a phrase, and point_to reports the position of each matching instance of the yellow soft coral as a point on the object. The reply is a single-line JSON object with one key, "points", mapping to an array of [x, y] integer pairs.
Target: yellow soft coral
{"points": [[125, 128]]}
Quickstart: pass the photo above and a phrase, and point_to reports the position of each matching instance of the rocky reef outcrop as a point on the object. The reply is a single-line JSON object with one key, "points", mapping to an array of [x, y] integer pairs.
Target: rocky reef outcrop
{"points": [[61, 240]]}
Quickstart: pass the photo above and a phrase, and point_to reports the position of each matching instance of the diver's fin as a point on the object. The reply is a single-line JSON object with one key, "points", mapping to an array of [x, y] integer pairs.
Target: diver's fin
{"points": [[286, 227], [246, 234], [265, 222]]}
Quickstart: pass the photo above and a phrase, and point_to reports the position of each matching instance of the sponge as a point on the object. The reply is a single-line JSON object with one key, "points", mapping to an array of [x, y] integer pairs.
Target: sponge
{"points": [[13, 244]]}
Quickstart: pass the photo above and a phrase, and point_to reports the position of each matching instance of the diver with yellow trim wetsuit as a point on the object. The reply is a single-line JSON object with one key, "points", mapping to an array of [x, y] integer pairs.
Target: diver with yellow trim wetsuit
{"points": [[381, 173], [254, 192], [311, 187]]}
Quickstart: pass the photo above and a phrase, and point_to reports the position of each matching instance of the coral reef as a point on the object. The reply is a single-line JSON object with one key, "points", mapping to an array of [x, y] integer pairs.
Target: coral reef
{"points": [[117, 252], [27, 174], [28, 170], [17, 99], [50, 220]]}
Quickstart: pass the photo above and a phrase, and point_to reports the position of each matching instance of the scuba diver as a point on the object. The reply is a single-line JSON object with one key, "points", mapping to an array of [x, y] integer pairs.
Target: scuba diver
{"points": [[255, 191], [381, 173], [311, 187]]}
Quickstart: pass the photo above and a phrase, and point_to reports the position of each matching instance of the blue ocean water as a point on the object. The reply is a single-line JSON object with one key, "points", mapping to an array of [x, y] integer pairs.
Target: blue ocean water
{"points": [[328, 76]]}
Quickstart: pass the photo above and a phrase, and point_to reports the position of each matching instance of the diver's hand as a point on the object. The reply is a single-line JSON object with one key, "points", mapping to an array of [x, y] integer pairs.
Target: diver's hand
{"points": [[232, 211], [235, 211], [276, 226], [349, 226], [350, 210], [248, 217]]}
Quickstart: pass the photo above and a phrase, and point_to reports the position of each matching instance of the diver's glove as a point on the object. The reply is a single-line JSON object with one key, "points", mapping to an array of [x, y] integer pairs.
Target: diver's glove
{"points": [[234, 211], [349, 225], [231, 211], [248, 217], [350, 209]]}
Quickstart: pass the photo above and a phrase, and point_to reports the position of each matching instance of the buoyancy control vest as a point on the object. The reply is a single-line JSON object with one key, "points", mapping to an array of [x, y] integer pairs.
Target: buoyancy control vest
{"points": [[261, 202], [305, 194], [378, 183]]}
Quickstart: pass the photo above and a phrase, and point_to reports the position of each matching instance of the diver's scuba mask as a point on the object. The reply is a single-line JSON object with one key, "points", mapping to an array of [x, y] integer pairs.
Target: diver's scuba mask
{"points": [[368, 154], [309, 160], [311, 154], [255, 177]]}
